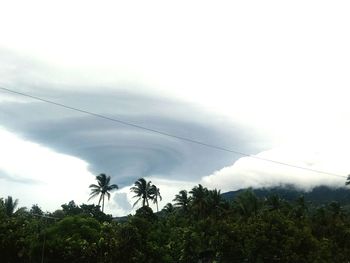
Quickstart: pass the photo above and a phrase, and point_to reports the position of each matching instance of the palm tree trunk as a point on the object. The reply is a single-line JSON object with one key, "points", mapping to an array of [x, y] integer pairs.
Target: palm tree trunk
{"points": [[103, 203]]}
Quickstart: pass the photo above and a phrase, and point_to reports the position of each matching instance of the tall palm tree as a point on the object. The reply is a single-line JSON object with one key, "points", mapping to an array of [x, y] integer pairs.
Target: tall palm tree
{"points": [[155, 195], [169, 208], [216, 202], [182, 200], [247, 203], [142, 190], [9, 206], [214, 198], [200, 196], [103, 188], [348, 180]]}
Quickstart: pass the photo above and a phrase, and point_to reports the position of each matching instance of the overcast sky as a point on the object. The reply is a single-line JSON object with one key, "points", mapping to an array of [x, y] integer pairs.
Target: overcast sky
{"points": [[267, 78]]}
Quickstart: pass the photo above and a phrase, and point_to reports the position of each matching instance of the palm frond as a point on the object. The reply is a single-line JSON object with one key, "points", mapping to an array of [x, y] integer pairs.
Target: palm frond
{"points": [[136, 202], [348, 180], [94, 186], [102, 187], [112, 187], [93, 196]]}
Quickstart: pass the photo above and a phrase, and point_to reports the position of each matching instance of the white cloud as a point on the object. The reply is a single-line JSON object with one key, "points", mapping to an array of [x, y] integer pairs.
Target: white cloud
{"points": [[289, 60], [35, 174], [250, 172]]}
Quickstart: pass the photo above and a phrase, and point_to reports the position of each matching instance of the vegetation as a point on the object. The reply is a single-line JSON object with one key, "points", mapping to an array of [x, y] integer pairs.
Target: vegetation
{"points": [[348, 180], [201, 226], [9, 206], [103, 188], [146, 191]]}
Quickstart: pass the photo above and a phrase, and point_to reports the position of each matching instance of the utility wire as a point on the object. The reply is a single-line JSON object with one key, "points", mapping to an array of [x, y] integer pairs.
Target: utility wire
{"points": [[45, 216], [167, 134]]}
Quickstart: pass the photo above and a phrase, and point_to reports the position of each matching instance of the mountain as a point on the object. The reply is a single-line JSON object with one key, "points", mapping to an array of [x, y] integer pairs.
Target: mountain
{"points": [[318, 195]]}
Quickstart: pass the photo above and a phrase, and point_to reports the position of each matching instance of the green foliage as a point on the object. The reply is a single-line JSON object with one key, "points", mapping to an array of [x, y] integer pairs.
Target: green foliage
{"points": [[143, 191], [94, 211], [36, 210], [73, 239], [247, 204], [201, 227], [146, 191], [145, 212], [182, 200], [155, 195], [9, 206]]}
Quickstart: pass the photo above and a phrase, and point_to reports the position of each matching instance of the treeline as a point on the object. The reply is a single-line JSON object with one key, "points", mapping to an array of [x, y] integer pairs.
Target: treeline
{"points": [[199, 226]]}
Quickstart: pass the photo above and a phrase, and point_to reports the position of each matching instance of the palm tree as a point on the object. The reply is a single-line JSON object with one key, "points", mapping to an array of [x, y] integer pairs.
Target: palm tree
{"points": [[216, 203], [169, 208], [155, 193], [9, 205], [182, 200], [247, 203], [274, 202], [348, 180], [215, 199], [142, 190], [103, 188], [199, 199]]}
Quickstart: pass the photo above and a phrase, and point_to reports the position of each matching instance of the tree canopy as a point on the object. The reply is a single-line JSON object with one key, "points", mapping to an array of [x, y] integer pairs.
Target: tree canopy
{"points": [[201, 226], [102, 188]]}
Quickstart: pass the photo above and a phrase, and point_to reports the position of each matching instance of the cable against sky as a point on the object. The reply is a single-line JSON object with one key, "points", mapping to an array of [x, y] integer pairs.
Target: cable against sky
{"points": [[166, 134]]}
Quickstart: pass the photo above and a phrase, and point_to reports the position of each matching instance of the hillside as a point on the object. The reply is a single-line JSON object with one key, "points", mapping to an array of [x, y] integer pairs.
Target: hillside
{"points": [[318, 195]]}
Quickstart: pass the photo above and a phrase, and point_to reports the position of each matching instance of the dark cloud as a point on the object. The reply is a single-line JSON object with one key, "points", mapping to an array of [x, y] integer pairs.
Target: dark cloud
{"points": [[125, 152]]}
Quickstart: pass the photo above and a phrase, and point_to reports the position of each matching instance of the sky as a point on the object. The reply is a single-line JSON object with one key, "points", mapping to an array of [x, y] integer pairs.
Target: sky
{"points": [[269, 79]]}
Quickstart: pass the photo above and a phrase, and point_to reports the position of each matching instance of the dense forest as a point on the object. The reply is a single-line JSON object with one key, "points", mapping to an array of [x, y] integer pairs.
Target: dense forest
{"points": [[201, 225]]}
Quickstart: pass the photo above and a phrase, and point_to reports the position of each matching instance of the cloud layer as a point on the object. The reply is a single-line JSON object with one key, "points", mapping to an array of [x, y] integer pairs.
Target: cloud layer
{"points": [[250, 172], [124, 152], [264, 74]]}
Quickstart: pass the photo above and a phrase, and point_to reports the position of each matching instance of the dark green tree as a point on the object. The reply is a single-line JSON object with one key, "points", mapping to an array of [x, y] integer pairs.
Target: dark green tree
{"points": [[217, 205], [155, 195], [347, 180], [182, 200], [142, 191], [247, 204], [102, 189], [36, 210], [10, 206], [168, 208], [200, 197]]}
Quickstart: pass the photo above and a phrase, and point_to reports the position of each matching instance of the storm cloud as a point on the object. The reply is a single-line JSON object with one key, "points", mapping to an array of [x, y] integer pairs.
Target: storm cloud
{"points": [[124, 152]]}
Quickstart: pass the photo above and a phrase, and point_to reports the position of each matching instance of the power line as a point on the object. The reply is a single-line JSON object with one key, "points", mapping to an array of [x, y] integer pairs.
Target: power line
{"points": [[167, 134], [45, 216]]}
